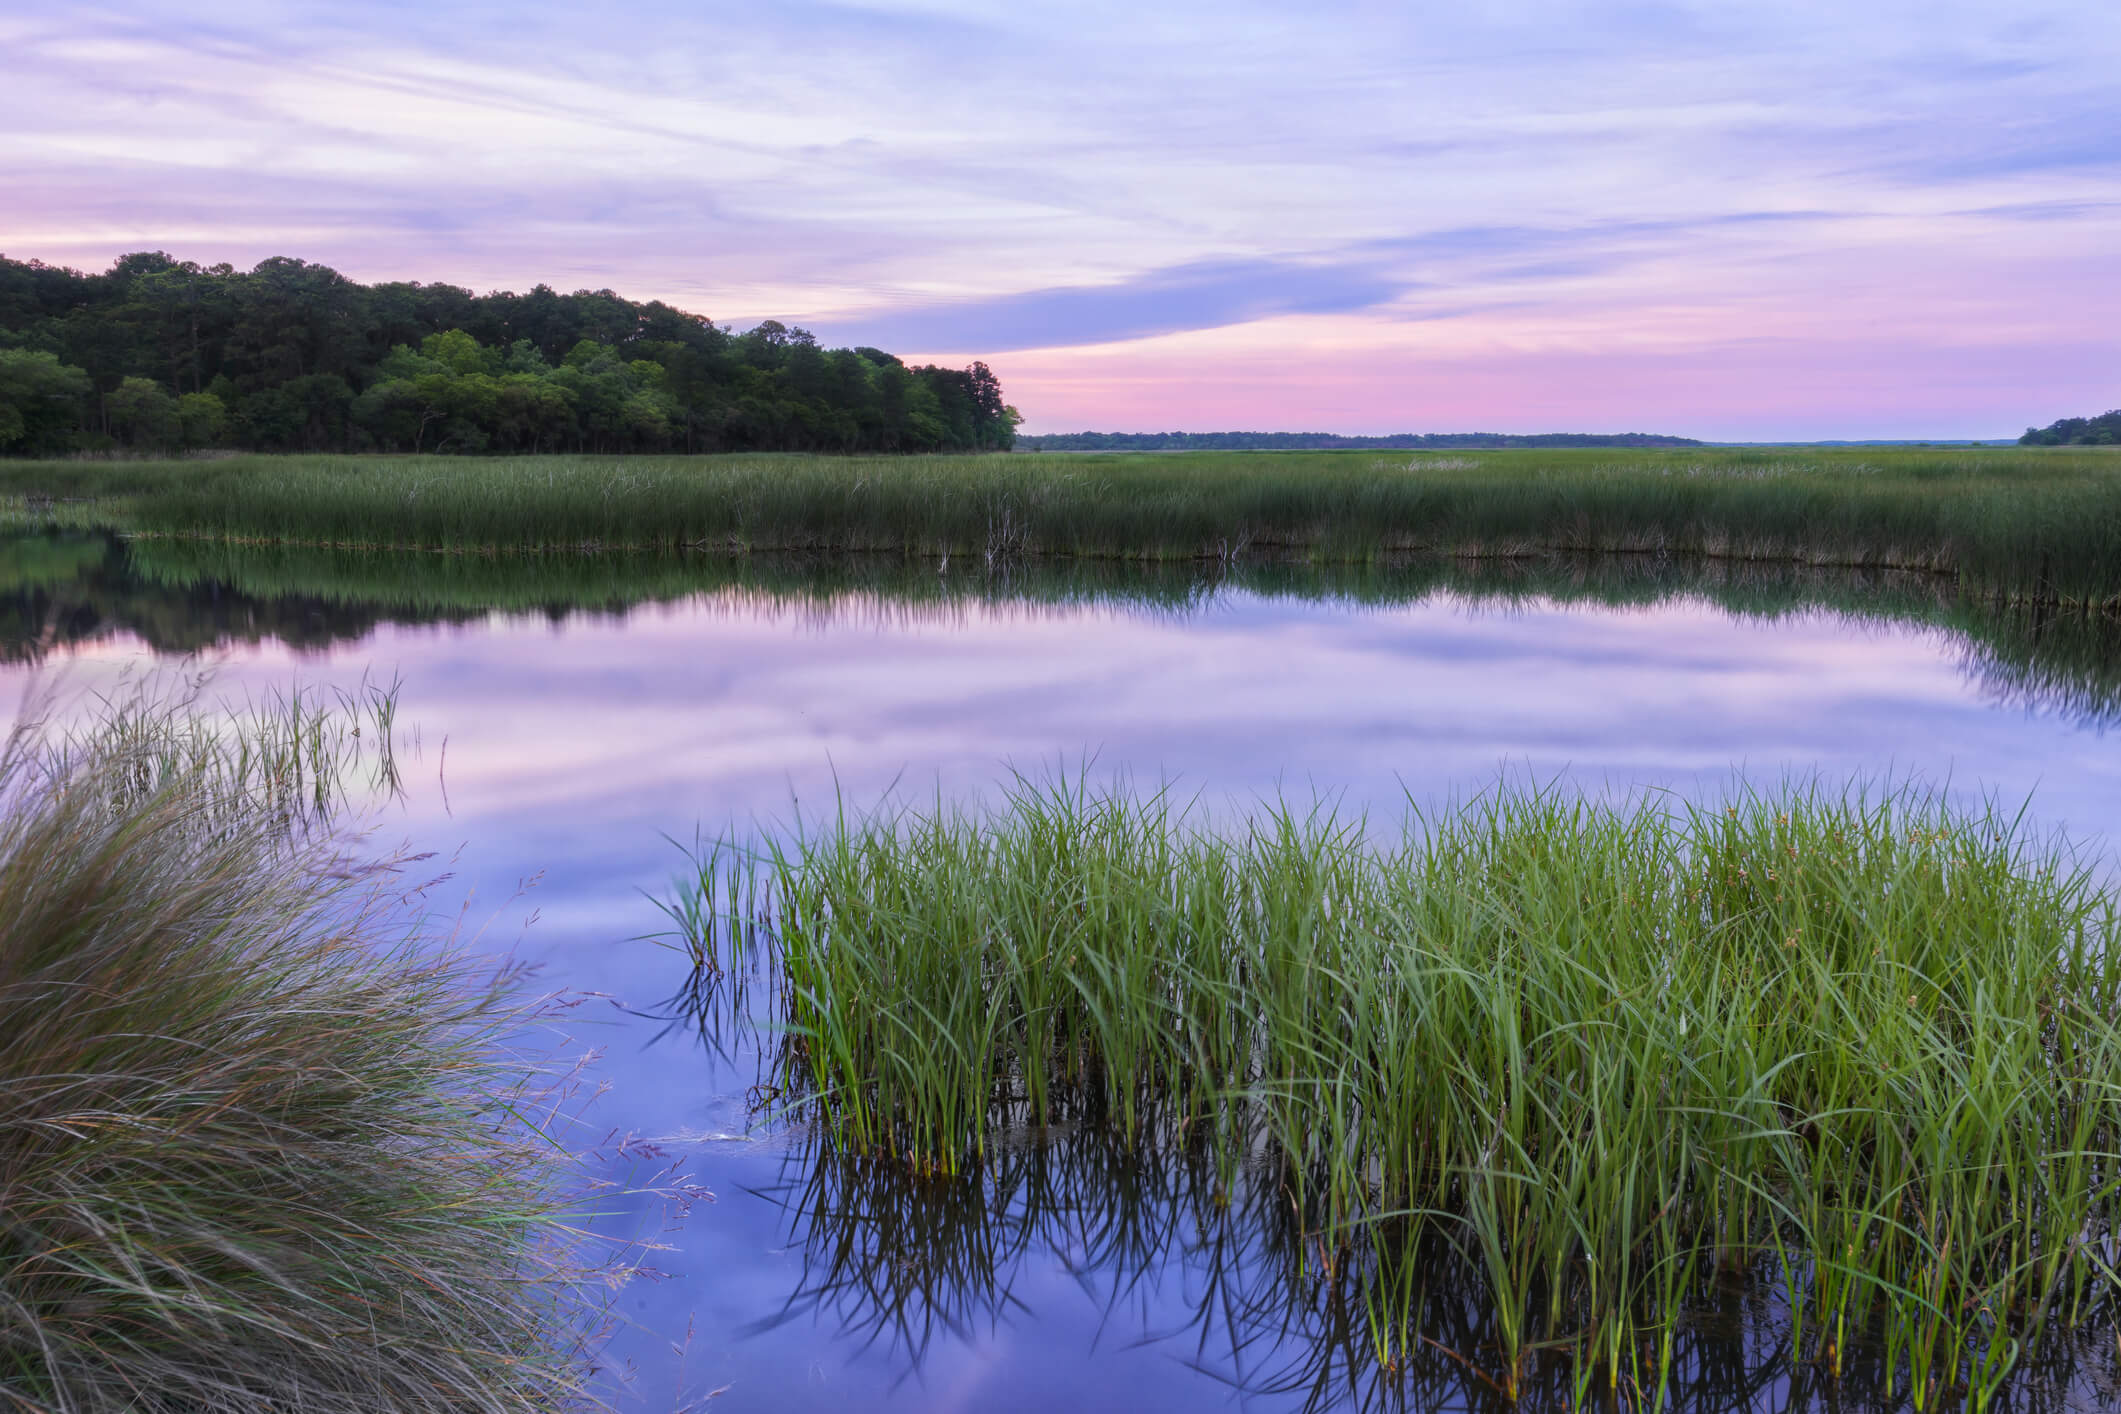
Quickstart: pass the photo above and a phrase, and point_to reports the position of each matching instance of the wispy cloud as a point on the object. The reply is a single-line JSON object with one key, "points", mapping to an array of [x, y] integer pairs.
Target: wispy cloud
{"points": [[1201, 295], [967, 177]]}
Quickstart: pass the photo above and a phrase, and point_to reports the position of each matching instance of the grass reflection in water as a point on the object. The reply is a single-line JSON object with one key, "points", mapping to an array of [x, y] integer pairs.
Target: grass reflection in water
{"points": [[1230, 1282], [1548, 1097]]}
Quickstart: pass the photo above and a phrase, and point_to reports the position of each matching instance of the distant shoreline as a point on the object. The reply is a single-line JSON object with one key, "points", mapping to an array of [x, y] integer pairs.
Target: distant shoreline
{"points": [[1332, 441], [1430, 441]]}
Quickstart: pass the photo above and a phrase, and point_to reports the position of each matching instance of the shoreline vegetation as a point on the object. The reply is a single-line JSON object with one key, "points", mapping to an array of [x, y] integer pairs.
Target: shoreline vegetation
{"points": [[1576, 1070], [2101, 431], [262, 1143], [2036, 525]]}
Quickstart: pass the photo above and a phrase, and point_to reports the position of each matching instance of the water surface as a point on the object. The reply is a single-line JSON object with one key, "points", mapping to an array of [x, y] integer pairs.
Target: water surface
{"points": [[563, 722]]}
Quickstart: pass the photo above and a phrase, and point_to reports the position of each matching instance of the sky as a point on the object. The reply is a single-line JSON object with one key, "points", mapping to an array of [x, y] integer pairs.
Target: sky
{"points": [[1731, 219]]}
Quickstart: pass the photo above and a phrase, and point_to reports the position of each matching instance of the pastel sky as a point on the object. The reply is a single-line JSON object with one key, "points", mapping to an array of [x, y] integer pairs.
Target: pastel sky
{"points": [[1741, 219]]}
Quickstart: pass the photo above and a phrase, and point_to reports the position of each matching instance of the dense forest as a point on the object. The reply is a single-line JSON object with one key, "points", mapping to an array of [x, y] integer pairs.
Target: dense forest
{"points": [[2101, 431], [1330, 442], [162, 355]]}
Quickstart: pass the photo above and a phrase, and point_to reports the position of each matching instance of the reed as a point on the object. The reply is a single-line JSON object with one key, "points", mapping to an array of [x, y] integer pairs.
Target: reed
{"points": [[294, 760], [260, 1145], [2025, 523], [1855, 1048]]}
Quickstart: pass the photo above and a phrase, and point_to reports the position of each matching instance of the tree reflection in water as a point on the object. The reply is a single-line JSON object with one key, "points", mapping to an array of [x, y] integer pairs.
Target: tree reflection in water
{"points": [[61, 587]]}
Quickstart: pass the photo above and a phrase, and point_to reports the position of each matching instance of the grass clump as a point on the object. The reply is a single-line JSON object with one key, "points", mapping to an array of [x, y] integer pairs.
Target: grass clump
{"points": [[1857, 1052], [258, 1148]]}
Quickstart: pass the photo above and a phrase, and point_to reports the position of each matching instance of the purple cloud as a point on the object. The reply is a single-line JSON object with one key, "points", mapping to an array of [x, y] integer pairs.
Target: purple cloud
{"points": [[1660, 183]]}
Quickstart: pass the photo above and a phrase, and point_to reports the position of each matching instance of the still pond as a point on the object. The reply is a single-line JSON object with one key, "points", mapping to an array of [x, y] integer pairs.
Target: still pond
{"points": [[563, 725]]}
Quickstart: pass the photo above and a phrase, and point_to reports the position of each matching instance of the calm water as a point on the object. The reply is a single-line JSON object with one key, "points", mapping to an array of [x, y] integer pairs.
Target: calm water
{"points": [[549, 753]]}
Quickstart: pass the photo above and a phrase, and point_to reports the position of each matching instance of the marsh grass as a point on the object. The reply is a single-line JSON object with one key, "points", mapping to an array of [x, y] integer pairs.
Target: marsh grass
{"points": [[261, 1146], [1858, 1053], [2040, 524], [296, 759]]}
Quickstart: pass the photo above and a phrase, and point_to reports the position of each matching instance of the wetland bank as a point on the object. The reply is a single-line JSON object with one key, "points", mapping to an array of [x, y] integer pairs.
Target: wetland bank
{"points": [[2019, 523], [1185, 1064]]}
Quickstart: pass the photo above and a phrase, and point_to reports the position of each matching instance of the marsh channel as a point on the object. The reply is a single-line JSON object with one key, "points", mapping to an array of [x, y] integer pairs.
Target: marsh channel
{"points": [[564, 720]]}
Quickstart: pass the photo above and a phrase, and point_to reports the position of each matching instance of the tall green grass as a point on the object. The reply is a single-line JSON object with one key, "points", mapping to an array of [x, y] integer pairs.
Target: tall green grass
{"points": [[2025, 523], [1859, 1052], [261, 1148]]}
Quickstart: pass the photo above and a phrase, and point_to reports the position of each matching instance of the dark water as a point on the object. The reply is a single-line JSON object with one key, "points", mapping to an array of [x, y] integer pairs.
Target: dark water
{"points": [[562, 717]]}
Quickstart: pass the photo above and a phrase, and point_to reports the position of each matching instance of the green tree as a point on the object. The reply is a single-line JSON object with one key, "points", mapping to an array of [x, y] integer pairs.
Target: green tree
{"points": [[2101, 431], [532, 413], [141, 415], [458, 352], [202, 420], [297, 356], [309, 413], [40, 401]]}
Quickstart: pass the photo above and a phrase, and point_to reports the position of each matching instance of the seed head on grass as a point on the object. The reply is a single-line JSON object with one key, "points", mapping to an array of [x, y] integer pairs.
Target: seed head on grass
{"points": [[257, 1145]]}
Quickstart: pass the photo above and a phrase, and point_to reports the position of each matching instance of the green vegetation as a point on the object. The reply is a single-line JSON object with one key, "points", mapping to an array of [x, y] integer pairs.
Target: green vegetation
{"points": [[40, 401], [162, 356], [2042, 524], [259, 1147], [1597, 1062], [2101, 431]]}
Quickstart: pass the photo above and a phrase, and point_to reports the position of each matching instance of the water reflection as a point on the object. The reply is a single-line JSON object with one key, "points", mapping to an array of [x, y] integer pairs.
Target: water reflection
{"points": [[578, 709], [1221, 1272], [59, 589], [1173, 1246]]}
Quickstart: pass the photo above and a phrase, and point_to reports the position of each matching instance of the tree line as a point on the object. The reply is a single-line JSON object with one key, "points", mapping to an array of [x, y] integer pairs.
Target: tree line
{"points": [[157, 354], [1331, 442], [2101, 431]]}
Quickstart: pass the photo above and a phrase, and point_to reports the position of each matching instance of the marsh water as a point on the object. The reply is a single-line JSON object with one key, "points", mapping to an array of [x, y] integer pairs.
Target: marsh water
{"points": [[566, 722]]}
